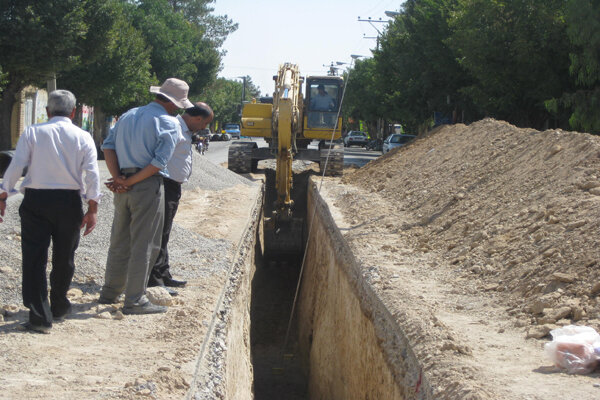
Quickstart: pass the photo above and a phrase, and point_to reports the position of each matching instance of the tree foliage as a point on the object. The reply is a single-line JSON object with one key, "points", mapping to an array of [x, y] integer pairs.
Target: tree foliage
{"points": [[533, 63], [108, 52], [362, 99], [225, 97], [517, 53], [422, 69], [38, 39], [120, 75], [583, 29]]}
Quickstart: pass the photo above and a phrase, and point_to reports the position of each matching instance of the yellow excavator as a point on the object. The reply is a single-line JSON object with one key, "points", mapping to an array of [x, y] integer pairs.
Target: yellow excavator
{"points": [[289, 124]]}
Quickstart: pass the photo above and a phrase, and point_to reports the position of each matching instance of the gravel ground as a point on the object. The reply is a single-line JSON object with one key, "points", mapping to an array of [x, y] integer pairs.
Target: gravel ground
{"points": [[91, 255]]}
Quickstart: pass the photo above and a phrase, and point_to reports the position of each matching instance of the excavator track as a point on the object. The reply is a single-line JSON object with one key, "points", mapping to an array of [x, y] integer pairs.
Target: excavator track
{"points": [[335, 164], [239, 158]]}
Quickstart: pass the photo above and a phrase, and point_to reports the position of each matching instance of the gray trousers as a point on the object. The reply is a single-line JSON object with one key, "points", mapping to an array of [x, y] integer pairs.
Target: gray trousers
{"points": [[134, 241]]}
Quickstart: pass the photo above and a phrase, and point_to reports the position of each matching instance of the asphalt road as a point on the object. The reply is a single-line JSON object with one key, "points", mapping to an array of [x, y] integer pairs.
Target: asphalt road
{"points": [[357, 156]]}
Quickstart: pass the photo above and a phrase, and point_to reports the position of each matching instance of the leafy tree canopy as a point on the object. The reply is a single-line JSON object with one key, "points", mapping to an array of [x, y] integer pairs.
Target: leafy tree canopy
{"points": [[225, 96]]}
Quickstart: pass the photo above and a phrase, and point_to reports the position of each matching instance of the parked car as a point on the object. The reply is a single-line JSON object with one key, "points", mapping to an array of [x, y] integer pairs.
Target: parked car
{"points": [[233, 130], [396, 140], [356, 138], [216, 137]]}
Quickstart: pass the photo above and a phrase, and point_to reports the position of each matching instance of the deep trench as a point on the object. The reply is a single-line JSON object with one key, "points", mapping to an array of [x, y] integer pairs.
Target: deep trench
{"points": [[277, 370]]}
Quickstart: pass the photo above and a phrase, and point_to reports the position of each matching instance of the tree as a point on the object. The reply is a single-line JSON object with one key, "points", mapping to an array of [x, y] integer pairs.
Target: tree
{"points": [[583, 29], [120, 77], [362, 99], [37, 39], [224, 96], [180, 46], [108, 52], [517, 53], [417, 70]]}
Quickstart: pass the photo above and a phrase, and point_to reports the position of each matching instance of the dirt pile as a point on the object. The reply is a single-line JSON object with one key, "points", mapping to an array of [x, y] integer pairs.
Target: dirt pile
{"points": [[514, 211]]}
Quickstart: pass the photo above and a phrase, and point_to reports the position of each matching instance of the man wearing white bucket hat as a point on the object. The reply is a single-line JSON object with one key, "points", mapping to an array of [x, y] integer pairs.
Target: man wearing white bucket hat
{"points": [[137, 151]]}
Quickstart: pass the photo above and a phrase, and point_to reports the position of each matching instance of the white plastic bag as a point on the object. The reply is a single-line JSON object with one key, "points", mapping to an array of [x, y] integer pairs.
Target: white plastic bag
{"points": [[574, 348]]}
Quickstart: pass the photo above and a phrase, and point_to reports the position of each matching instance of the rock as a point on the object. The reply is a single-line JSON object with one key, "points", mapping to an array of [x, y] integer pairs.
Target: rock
{"points": [[164, 369], [554, 314], [555, 149], [118, 315], [159, 296], [595, 289], [103, 315], [6, 270], [90, 280], [1, 318], [539, 305], [563, 277], [10, 309], [589, 185], [576, 224], [538, 331], [74, 293], [456, 347], [490, 287], [520, 323], [595, 191]]}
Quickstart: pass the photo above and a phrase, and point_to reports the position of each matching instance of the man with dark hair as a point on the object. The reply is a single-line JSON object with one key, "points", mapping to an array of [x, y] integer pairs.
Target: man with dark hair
{"points": [[57, 154], [178, 171], [137, 151], [322, 101]]}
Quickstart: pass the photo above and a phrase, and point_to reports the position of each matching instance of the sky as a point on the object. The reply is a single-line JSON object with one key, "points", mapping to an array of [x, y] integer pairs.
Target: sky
{"points": [[310, 33]]}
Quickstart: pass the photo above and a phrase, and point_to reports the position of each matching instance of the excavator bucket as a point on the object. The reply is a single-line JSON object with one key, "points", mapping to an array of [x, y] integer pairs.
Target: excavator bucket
{"points": [[283, 239]]}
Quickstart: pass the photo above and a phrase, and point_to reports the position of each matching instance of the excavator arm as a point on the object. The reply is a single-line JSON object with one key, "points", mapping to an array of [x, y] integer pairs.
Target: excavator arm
{"points": [[288, 129], [286, 122]]}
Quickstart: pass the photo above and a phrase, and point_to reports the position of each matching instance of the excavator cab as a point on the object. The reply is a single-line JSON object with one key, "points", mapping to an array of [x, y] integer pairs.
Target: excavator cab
{"points": [[322, 104]]}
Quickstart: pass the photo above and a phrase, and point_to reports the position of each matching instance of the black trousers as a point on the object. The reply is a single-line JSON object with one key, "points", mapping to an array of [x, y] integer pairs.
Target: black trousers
{"points": [[48, 214], [160, 270]]}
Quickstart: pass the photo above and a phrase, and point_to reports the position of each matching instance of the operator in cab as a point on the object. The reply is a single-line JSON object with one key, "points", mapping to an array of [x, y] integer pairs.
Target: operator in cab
{"points": [[322, 101]]}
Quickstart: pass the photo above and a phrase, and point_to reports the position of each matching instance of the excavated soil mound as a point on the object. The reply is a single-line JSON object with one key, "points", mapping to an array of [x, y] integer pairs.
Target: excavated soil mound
{"points": [[516, 209], [480, 239]]}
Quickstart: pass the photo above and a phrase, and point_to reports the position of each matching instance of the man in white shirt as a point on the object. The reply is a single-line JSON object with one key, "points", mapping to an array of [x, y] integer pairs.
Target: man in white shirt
{"points": [[178, 171], [57, 155]]}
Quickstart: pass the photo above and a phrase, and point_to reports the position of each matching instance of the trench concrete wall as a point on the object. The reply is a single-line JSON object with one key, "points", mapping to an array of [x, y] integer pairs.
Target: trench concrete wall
{"points": [[350, 345]]}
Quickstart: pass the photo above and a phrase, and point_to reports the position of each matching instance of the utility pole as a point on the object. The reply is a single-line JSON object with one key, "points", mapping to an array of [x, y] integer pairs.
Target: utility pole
{"points": [[332, 69], [371, 22], [243, 78]]}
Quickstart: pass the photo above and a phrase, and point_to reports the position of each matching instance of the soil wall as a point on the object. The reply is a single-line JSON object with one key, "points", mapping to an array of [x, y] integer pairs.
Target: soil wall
{"points": [[349, 343], [224, 368]]}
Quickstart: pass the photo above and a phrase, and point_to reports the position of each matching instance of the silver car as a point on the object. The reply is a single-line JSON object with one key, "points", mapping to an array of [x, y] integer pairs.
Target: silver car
{"points": [[356, 138], [396, 140]]}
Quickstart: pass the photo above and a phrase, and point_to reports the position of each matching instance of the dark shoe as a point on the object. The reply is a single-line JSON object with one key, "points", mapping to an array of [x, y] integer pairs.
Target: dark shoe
{"points": [[59, 317], [174, 283], [36, 328], [146, 308], [105, 300], [171, 291]]}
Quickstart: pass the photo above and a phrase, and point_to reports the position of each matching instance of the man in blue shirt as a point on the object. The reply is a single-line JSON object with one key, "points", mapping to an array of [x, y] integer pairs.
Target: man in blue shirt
{"points": [[137, 151]]}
